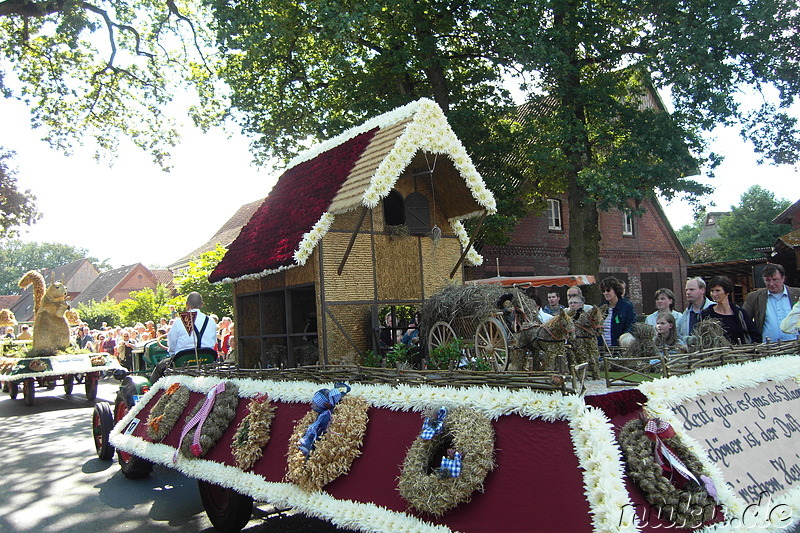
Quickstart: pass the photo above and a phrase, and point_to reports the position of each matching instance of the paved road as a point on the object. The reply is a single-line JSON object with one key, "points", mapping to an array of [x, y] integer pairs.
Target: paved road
{"points": [[52, 481]]}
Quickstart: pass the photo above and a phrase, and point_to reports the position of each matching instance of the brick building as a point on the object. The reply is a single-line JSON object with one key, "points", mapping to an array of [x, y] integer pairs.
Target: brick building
{"points": [[643, 251]]}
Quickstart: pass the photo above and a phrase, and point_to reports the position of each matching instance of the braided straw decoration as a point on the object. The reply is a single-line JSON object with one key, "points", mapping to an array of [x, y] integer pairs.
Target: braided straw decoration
{"points": [[252, 434]]}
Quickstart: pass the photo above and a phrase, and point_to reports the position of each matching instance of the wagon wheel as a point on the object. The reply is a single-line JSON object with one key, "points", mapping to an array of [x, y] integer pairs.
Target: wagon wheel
{"points": [[228, 510], [132, 466], [29, 390], [91, 385], [102, 423], [491, 342], [441, 333], [13, 389], [69, 383]]}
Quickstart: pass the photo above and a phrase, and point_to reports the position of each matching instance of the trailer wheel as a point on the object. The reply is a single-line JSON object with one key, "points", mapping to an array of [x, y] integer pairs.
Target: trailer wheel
{"points": [[132, 466], [13, 389], [102, 423], [441, 334], [491, 342], [69, 383], [228, 510], [29, 390], [91, 385]]}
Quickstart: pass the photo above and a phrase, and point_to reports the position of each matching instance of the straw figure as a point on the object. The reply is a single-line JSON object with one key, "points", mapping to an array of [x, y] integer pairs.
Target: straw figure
{"points": [[588, 327], [641, 341], [546, 342], [707, 334], [7, 318], [50, 328]]}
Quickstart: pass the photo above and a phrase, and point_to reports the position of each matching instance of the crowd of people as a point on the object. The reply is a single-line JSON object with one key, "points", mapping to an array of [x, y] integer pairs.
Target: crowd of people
{"points": [[769, 314]]}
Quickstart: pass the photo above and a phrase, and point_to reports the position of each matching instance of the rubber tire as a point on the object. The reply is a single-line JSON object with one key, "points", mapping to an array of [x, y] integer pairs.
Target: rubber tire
{"points": [[13, 389], [132, 466], [29, 391], [69, 383], [91, 385], [102, 424], [228, 510]]}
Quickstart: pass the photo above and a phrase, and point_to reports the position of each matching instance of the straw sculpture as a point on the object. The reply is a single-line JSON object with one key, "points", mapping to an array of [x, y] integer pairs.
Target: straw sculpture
{"points": [[472, 435], [707, 334], [252, 434], [166, 411], [220, 417], [584, 345]]}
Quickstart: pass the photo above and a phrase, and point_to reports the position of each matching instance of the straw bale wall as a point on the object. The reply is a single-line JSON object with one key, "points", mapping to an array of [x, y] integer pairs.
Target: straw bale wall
{"points": [[397, 267], [356, 280], [355, 319]]}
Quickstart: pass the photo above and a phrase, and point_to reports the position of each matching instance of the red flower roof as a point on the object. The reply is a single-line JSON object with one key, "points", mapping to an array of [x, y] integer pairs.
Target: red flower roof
{"points": [[299, 199]]}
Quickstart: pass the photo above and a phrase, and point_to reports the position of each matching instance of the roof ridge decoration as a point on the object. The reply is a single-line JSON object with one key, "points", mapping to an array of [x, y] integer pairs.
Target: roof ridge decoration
{"points": [[427, 130]]}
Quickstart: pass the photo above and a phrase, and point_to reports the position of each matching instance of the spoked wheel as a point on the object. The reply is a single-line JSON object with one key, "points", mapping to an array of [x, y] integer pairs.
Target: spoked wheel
{"points": [[91, 385], [69, 383], [441, 334], [29, 390], [228, 510], [13, 389], [133, 467], [491, 342], [102, 423]]}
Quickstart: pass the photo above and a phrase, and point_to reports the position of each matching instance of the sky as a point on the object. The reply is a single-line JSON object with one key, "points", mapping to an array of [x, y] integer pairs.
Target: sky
{"points": [[133, 212]]}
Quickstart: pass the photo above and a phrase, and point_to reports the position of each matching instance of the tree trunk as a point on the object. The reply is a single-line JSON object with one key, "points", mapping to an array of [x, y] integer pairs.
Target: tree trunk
{"points": [[584, 238]]}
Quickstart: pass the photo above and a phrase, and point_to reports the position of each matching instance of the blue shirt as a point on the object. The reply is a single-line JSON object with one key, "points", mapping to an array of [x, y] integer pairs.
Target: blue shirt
{"points": [[778, 306]]}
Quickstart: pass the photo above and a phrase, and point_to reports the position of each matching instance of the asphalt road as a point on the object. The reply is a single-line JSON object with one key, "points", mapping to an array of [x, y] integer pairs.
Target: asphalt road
{"points": [[52, 481]]}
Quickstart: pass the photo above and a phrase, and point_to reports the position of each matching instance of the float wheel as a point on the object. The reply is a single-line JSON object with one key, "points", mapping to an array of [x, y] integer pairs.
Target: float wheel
{"points": [[91, 385], [13, 389], [132, 466], [69, 383], [29, 390], [441, 334], [102, 423], [228, 510], [491, 343]]}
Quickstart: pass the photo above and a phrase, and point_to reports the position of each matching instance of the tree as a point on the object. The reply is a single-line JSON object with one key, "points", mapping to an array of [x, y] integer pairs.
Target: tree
{"points": [[300, 70], [217, 299], [749, 225], [95, 313], [17, 208], [102, 70], [146, 304], [688, 233], [17, 257]]}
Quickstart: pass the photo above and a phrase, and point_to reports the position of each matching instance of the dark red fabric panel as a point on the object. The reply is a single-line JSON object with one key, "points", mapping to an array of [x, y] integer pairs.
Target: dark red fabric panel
{"points": [[298, 200]]}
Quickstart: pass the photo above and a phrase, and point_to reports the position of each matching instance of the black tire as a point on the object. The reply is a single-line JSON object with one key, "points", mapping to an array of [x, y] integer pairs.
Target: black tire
{"points": [[50, 384], [102, 423], [69, 383], [13, 389], [91, 385], [228, 510], [132, 466], [29, 391]]}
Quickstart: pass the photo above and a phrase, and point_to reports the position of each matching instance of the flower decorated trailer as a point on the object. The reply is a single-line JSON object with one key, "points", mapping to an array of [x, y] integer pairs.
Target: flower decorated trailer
{"points": [[705, 451], [46, 371], [369, 219]]}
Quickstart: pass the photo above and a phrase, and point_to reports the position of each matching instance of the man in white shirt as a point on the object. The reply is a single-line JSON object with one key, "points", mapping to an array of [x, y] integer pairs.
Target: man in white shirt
{"points": [[204, 330], [696, 296]]}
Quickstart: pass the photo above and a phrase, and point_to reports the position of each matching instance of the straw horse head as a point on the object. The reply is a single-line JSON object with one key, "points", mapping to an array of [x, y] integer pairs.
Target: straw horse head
{"points": [[545, 342], [588, 327]]}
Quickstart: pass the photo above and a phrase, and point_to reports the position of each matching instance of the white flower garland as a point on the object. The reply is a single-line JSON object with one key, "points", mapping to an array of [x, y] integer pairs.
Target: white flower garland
{"points": [[592, 436], [663, 394]]}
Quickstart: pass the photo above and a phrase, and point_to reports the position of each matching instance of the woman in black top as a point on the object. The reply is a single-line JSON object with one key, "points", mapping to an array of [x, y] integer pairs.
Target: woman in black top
{"points": [[739, 327]]}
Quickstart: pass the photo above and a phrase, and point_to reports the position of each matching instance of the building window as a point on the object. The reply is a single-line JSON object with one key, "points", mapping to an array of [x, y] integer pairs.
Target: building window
{"points": [[627, 222], [553, 214], [418, 218], [394, 209]]}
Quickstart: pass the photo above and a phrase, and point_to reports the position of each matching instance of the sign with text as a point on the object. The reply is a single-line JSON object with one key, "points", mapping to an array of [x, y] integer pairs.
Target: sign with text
{"points": [[751, 434]]}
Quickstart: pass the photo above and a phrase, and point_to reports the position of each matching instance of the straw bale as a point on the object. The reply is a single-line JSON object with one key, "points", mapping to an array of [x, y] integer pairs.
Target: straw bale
{"points": [[397, 266], [356, 280]]}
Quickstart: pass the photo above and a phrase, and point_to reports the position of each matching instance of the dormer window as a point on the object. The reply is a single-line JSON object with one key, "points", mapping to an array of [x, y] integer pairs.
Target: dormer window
{"points": [[394, 209]]}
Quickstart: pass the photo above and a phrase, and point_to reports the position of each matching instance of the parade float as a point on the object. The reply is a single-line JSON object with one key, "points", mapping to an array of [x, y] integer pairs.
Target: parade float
{"points": [[49, 358], [373, 219]]}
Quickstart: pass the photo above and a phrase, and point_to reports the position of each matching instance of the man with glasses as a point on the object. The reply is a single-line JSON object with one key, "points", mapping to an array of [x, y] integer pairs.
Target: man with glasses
{"points": [[696, 296], [769, 306]]}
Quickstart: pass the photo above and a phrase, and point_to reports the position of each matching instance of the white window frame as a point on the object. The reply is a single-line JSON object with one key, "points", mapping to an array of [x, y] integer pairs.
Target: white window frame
{"points": [[554, 214], [627, 223]]}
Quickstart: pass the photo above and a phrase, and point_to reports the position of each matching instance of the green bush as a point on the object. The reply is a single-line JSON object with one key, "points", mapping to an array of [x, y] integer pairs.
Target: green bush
{"points": [[439, 358], [95, 313]]}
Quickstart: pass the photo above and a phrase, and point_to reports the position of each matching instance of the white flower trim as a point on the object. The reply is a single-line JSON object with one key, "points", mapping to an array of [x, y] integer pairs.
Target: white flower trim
{"points": [[430, 132], [592, 437], [310, 239], [663, 394], [473, 258]]}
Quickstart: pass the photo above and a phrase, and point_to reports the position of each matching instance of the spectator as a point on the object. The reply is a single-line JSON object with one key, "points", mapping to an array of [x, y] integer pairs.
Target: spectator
{"points": [[25, 334], [665, 303], [172, 312], [739, 327], [109, 345], [620, 315], [553, 303], [85, 337], [9, 333], [576, 291], [412, 332], [666, 331], [125, 350], [769, 306], [790, 324], [696, 296], [538, 314]]}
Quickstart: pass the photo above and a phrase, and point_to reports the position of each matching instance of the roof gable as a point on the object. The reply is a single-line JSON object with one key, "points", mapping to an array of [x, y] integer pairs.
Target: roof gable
{"points": [[104, 284], [358, 168]]}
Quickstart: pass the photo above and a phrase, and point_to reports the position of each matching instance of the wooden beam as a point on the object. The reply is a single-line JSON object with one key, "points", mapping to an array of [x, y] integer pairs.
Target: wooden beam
{"points": [[469, 245], [352, 240]]}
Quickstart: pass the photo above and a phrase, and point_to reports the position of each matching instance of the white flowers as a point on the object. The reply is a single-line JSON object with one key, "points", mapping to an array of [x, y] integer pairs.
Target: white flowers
{"points": [[310, 239], [473, 258]]}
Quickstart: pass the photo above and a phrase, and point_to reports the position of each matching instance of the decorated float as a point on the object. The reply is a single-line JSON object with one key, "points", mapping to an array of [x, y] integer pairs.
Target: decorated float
{"points": [[372, 219]]}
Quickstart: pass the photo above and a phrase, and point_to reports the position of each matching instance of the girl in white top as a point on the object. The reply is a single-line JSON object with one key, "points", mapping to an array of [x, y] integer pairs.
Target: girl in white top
{"points": [[665, 303]]}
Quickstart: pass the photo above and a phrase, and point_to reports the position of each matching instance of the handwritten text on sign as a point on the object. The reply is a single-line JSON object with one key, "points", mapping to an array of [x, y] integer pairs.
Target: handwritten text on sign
{"points": [[751, 434]]}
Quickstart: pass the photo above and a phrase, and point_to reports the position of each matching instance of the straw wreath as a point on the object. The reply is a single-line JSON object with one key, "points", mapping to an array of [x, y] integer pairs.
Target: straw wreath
{"points": [[334, 452], [166, 411], [220, 417], [687, 507], [472, 435], [252, 434]]}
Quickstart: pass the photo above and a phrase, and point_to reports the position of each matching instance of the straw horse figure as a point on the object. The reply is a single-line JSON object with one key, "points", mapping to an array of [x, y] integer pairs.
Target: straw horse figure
{"points": [[588, 327], [545, 341]]}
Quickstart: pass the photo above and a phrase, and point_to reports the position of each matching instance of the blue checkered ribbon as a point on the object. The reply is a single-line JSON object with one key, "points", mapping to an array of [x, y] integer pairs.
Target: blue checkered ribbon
{"points": [[432, 426], [323, 402], [451, 467]]}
